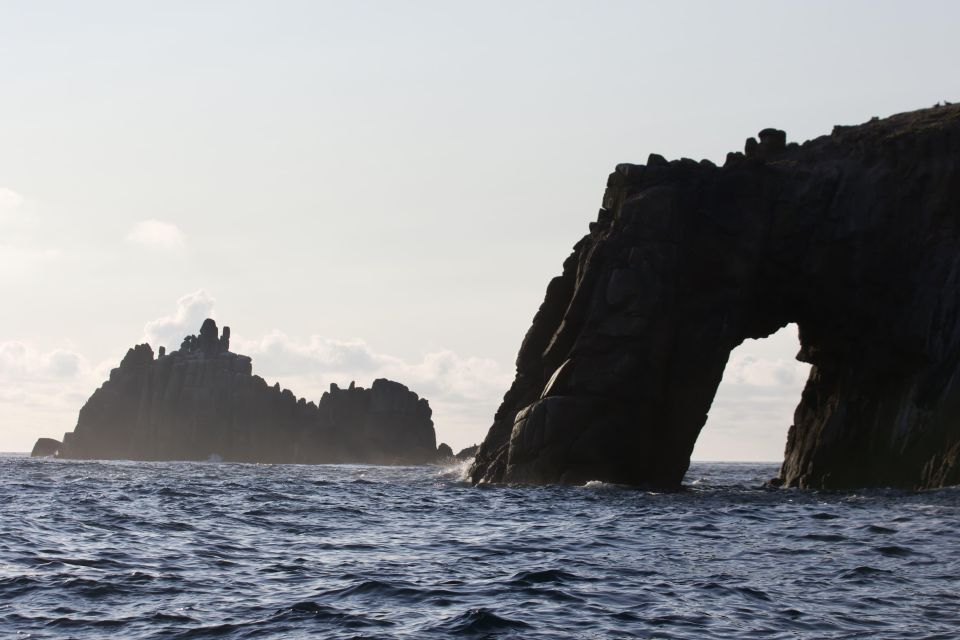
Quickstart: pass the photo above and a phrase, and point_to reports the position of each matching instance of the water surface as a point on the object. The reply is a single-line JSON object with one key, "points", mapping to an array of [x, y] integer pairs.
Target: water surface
{"points": [[204, 550]]}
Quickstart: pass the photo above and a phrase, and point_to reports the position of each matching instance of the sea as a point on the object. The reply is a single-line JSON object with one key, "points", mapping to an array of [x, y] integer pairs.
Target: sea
{"points": [[219, 550]]}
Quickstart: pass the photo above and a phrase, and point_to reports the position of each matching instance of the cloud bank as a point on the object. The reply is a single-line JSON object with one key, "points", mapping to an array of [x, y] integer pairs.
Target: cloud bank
{"points": [[41, 392]]}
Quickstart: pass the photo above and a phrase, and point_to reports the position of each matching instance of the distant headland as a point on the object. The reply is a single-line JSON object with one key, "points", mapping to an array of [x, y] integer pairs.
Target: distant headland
{"points": [[854, 236], [203, 402]]}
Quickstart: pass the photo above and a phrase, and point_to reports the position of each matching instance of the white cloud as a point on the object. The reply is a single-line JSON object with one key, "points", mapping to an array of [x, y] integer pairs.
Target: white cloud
{"points": [[763, 372], [157, 234], [9, 199], [281, 355], [20, 361], [169, 331], [41, 392]]}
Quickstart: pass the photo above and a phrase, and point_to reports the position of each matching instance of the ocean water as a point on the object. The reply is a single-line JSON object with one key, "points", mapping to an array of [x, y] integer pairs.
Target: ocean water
{"points": [[213, 550]]}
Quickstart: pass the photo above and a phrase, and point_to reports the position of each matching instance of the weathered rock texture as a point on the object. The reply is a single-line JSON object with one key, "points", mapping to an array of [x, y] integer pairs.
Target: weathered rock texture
{"points": [[203, 401], [854, 236]]}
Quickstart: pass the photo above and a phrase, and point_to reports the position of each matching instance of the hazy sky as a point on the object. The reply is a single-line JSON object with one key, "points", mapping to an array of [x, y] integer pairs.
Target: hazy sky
{"points": [[385, 188]]}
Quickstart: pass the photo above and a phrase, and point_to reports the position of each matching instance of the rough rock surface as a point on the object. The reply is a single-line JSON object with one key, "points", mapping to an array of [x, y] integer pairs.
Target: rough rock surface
{"points": [[202, 400], [854, 236], [45, 447]]}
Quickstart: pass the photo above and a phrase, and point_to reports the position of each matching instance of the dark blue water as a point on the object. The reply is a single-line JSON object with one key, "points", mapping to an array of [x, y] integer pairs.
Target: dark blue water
{"points": [[196, 550]]}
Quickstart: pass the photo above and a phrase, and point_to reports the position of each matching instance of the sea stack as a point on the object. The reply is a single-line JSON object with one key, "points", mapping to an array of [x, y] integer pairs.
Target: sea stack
{"points": [[45, 447], [854, 236], [203, 401]]}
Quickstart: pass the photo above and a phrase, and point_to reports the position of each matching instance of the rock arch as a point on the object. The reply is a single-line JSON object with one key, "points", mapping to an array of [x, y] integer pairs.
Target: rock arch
{"points": [[854, 236]]}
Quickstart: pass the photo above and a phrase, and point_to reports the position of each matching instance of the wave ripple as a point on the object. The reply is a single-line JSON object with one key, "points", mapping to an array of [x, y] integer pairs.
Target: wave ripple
{"points": [[201, 550]]}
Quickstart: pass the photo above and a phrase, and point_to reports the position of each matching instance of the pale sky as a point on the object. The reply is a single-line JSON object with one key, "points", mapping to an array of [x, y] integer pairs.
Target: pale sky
{"points": [[363, 189]]}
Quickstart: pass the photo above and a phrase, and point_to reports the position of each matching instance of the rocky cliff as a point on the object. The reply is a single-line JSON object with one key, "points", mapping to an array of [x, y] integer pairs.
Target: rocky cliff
{"points": [[854, 236], [202, 401]]}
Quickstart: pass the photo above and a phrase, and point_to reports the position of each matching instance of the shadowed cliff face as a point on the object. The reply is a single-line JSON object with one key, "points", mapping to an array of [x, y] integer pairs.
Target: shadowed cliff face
{"points": [[853, 236], [202, 401]]}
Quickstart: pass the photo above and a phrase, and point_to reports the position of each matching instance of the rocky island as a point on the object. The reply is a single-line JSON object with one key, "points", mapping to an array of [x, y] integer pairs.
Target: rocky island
{"points": [[854, 236], [202, 401]]}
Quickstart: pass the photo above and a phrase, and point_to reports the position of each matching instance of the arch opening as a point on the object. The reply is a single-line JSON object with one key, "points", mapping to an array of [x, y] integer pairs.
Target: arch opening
{"points": [[754, 405]]}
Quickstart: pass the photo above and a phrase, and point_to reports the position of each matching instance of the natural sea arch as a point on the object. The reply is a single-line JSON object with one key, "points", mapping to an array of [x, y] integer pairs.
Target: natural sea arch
{"points": [[853, 236]]}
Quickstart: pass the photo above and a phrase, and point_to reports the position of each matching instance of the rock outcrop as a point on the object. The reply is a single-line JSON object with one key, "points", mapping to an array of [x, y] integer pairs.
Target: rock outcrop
{"points": [[444, 452], [203, 401], [466, 454], [854, 236], [45, 447]]}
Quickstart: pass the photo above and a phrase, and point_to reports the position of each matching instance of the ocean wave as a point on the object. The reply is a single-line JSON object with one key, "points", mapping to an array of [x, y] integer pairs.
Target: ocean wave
{"points": [[479, 622], [193, 550]]}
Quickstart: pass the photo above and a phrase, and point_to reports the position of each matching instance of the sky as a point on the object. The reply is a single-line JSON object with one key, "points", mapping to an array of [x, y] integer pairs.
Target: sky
{"points": [[365, 189]]}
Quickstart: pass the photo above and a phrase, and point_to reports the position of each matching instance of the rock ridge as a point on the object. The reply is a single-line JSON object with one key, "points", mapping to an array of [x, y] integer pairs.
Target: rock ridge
{"points": [[202, 401]]}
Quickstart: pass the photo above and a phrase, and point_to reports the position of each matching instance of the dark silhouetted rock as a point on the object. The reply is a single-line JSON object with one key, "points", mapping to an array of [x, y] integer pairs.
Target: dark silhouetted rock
{"points": [[444, 452], [385, 424], [772, 142], [45, 447], [468, 453], [853, 236], [203, 401]]}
